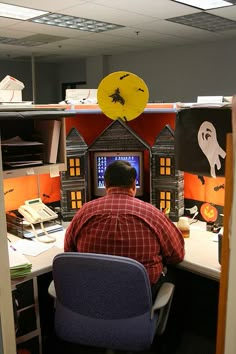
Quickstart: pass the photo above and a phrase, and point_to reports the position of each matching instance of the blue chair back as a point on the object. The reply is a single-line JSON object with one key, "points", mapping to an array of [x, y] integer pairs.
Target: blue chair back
{"points": [[103, 301]]}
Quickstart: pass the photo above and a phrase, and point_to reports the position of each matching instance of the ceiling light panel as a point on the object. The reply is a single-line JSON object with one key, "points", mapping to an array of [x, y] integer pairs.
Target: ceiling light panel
{"points": [[20, 42], [19, 12], [205, 21], [78, 23], [206, 4]]}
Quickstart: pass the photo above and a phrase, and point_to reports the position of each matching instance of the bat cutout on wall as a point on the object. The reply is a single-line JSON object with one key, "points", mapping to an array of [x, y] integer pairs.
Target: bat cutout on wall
{"points": [[217, 188], [202, 179]]}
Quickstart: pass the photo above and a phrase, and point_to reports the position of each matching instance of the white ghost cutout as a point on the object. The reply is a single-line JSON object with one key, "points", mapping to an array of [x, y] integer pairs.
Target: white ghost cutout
{"points": [[207, 140]]}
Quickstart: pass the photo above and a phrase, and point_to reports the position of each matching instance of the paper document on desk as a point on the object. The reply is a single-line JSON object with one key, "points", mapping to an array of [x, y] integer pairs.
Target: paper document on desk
{"points": [[59, 239], [198, 225], [31, 248]]}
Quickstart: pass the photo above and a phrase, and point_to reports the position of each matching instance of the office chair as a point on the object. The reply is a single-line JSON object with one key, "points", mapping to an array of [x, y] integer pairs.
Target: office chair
{"points": [[105, 301]]}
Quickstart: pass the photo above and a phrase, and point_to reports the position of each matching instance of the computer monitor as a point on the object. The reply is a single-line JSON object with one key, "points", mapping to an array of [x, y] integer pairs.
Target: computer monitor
{"points": [[103, 159]]}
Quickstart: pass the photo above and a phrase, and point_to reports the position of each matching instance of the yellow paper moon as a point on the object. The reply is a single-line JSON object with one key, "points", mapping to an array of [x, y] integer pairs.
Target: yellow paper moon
{"points": [[122, 95]]}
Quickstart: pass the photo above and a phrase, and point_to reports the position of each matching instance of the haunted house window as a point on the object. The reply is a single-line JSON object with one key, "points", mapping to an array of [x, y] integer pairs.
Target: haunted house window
{"points": [[165, 200], [165, 166], [74, 167], [76, 199]]}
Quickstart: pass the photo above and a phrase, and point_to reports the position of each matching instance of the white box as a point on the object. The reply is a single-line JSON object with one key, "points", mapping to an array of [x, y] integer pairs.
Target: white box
{"points": [[10, 96], [88, 96], [11, 89], [10, 83]]}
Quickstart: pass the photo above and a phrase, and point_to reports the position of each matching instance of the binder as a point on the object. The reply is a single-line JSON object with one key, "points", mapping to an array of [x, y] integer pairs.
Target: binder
{"points": [[49, 131]]}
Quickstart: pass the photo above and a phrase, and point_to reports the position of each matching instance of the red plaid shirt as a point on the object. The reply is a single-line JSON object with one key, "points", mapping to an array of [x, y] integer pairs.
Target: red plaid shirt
{"points": [[122, 225]]}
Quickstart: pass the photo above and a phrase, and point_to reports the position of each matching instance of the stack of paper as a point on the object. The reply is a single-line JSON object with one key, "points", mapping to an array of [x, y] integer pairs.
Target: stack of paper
{"points": [[20, 266], [31, 248]]}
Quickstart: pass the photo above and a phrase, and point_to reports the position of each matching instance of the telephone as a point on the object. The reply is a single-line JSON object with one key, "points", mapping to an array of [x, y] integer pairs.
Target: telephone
{"points": [[35, 211]]}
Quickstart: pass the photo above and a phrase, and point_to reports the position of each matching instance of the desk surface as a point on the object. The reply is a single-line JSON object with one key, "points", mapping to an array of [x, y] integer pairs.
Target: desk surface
{"points": [[201, 256]]}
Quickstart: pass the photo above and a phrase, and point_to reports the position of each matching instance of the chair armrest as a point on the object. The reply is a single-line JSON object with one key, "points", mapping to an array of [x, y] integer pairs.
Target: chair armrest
{"points": [[163, 296], [51, 290]]}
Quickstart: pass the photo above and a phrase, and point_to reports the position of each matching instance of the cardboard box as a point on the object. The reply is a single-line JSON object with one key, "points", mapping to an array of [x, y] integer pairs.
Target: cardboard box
{"points": [[83, 96], [10, 96], [11, 89]]}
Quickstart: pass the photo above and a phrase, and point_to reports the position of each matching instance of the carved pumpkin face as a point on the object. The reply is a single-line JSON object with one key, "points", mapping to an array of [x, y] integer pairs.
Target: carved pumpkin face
{"points": [[208, 212]]}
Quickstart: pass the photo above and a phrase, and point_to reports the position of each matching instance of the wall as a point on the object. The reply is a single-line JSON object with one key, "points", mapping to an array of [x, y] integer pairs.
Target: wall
{"points": [[71, 71], [21, 71], [46, 81], [90, 126], [172, 75], [183, 73], [48, 77]]}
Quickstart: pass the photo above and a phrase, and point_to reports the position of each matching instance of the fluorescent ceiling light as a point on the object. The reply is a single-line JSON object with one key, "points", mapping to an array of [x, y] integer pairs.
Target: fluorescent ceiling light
{"points": [[206, 4], [54, 19], [19, 12], [205, 21], [20, 42], [72, 22]]}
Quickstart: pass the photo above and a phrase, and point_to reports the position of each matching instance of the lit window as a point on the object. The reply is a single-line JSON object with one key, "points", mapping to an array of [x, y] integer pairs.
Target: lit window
{"points": [[165, 166], [76, 199], [165, 200], [74, 167]]}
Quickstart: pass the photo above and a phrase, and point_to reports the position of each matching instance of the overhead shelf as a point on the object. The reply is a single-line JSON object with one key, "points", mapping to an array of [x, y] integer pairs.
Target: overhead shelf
{"points": [[150, 108]]}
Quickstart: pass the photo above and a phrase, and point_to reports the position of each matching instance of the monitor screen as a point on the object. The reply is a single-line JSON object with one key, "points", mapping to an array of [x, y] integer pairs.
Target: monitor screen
{"points": [[103, 159]]}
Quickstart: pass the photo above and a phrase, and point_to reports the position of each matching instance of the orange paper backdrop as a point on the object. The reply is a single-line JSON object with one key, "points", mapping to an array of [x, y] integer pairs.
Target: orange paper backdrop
{"points": [[90, 126]]}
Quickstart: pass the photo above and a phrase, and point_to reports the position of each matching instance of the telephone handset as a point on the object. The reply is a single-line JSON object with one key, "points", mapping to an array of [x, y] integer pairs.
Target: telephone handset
{"points": [[29, 214], [35, 211]]}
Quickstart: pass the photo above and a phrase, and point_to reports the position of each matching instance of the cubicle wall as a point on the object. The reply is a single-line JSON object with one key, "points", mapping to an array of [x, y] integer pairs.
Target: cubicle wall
{"points": [[90, 125]]}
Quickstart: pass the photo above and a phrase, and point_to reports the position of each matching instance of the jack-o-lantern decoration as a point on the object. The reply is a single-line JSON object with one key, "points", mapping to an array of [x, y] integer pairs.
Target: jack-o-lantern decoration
{"points": [[208, 212]]}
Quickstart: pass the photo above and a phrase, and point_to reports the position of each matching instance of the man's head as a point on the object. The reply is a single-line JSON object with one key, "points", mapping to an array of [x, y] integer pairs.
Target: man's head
{"points": [[120, 174]]}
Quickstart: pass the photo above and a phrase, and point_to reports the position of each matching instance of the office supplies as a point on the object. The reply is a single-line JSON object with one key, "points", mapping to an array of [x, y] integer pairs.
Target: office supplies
{"points": [[50, 228], [31, 248], [18, 226], [17, 152], [35, 211], [20, 266], [13, 248]]}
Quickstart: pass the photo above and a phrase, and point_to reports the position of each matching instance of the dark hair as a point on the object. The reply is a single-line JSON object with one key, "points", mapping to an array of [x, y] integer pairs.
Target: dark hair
{"points": [[120, 173]]}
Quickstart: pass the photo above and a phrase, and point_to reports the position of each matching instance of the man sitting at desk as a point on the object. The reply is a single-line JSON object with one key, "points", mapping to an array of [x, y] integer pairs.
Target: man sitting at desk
{"points": [[119, 224]]}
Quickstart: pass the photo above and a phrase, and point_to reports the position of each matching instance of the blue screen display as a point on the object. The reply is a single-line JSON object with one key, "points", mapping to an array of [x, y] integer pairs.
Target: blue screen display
{"points": [[103, 161]]}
